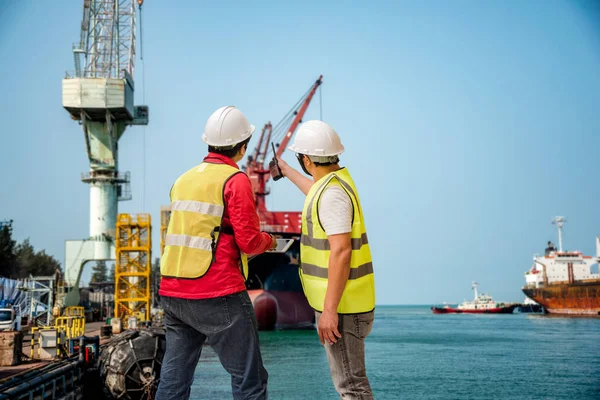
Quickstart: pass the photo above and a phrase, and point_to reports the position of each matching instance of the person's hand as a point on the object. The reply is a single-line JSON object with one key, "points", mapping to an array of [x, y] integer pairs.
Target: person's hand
{"points": [[273, 242], [328, 327], [283, 166]]}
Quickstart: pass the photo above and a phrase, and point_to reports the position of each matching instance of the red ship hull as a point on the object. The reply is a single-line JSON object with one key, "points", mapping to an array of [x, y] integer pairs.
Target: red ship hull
{"points": [[450, 310]]}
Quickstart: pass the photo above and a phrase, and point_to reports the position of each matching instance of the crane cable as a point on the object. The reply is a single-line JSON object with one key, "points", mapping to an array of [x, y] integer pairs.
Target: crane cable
{"points": [[144, 103], [280, 129], [321, 102], [283, 123], [291, 113]]}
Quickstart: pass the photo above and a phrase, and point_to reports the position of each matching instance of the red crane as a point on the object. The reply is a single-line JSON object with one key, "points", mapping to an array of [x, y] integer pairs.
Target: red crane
{"points": [[258, 171]]}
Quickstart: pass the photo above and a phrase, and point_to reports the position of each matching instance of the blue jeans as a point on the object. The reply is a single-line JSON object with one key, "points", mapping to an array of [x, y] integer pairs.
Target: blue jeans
{"points": [[228, 325]]}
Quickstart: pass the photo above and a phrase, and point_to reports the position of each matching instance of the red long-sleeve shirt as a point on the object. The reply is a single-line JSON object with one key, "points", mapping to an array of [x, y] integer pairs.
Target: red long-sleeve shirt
{"points": [[223, 276]]}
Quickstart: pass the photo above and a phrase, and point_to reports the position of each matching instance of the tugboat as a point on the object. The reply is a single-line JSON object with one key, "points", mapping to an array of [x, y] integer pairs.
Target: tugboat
{"points": [[481, 304]]}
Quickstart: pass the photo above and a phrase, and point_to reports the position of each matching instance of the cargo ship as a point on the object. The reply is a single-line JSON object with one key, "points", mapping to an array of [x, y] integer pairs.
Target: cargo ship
{"points": [[481, 304], [563, 281]]}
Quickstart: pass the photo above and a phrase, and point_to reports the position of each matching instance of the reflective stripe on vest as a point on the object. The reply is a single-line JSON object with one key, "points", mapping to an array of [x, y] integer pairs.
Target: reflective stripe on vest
{"points": [[359, 293], [197, 208]]}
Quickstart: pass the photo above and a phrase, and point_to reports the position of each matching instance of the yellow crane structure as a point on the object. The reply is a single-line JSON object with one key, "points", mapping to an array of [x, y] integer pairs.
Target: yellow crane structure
{"points": [[133, 267]]}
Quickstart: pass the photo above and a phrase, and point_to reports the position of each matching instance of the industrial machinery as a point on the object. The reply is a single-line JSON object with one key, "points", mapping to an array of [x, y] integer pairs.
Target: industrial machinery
{"points": [[133, 268], [99, 94]]}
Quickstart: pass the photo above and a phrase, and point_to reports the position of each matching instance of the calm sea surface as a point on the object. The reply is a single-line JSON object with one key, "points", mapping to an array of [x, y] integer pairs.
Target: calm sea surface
{"points": [[413, 354]]}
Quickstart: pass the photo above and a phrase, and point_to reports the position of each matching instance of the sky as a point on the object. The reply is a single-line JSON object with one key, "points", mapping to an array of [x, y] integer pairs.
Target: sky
{"points": [[467, 125]]}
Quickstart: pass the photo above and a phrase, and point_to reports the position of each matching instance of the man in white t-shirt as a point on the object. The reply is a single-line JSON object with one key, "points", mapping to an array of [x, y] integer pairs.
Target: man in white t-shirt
{"points": [[335, 258]]}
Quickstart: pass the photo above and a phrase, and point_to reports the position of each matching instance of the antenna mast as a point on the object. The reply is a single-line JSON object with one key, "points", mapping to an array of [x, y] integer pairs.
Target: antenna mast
{"points": [[559, 222]]}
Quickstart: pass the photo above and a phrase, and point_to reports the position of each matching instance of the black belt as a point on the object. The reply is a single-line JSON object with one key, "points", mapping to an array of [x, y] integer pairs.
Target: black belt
{"points": [[227, 230]]}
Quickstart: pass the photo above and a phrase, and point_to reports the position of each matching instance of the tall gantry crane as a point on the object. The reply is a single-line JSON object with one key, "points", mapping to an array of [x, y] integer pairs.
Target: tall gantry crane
{"points": [[99, 94]]}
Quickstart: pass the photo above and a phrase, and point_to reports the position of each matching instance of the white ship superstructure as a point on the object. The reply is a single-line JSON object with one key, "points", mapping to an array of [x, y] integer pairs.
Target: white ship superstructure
{"points": [[558, 266]]}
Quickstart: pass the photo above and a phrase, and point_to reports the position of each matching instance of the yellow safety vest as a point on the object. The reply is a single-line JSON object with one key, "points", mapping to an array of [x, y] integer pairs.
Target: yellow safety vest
{"points": [[197, 207], [359, 294]]}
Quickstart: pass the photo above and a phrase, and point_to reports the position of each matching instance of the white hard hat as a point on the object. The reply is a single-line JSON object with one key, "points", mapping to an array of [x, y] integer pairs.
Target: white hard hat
{"points": [[226, 127], [316, 138]]}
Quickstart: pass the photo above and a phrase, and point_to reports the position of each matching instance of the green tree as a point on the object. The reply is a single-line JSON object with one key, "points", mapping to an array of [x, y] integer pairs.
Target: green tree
{"points": [[34, 263], [25, 259], [7, 251], [99, 272], [18, 261], [45, 264]]}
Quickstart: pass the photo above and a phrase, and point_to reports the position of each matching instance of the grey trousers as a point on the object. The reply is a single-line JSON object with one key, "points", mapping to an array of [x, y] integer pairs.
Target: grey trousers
{"points": [[347, 356]]}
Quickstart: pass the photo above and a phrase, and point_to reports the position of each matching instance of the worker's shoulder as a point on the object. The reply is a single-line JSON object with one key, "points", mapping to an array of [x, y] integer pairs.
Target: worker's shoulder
{"points": [[333, 191], [238, 180], [333, 197]]}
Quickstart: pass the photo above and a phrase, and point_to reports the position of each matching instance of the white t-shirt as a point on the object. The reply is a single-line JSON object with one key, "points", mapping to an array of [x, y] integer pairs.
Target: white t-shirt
{"points": [[335, 211]]}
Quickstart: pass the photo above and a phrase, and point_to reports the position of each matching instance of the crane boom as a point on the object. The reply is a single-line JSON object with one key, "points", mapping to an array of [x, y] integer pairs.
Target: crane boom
{"points": [[267, 141], [107, 39], [298, 118], [258, 151]]}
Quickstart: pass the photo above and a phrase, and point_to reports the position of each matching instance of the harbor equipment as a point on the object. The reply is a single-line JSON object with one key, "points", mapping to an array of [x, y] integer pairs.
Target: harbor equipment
{"points": [[99, 94], [133, 268]]}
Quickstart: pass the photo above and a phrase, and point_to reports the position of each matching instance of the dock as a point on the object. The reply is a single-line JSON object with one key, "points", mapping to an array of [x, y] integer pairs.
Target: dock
{"points": [[25, 378]]}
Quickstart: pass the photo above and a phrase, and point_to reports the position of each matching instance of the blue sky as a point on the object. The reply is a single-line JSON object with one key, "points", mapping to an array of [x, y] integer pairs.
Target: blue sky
{"points": [[468, 125]]}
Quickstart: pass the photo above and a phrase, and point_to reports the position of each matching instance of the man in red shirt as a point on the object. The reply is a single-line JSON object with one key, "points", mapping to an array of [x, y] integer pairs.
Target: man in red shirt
{"points": [[213, 226]]}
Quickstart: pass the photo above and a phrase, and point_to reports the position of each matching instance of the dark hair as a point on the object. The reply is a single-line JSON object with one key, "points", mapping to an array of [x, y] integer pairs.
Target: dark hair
{"points": [[320, 164], [229, 152]]}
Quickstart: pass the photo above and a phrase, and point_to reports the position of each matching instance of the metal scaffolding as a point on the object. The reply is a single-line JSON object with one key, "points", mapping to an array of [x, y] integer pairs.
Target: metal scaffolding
{"points": [[40, 294], [133, 267], [107, 39]]}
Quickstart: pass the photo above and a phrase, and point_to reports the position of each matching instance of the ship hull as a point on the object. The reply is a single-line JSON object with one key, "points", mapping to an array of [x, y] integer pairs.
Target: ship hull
{"points": [[530, 308], [276, 310], [579, 298], [450, 310], [276, 292]]}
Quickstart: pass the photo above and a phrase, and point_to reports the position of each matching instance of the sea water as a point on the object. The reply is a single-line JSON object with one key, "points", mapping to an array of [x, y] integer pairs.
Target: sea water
{"points": [[414, 354]]}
